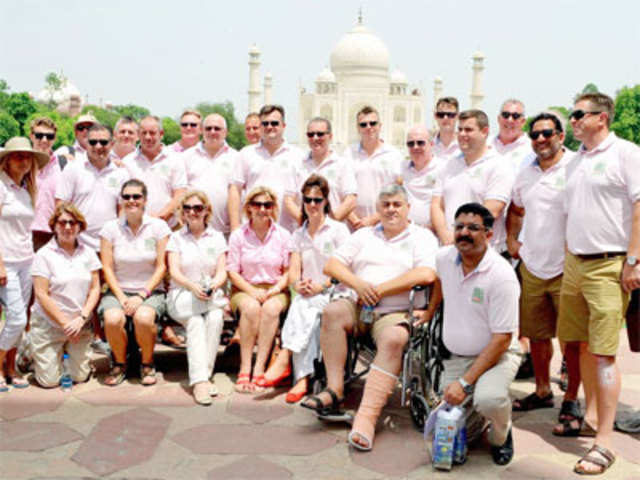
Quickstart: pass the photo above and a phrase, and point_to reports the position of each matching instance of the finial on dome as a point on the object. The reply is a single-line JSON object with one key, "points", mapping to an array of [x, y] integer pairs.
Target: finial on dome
{"points": [[360, 16]]}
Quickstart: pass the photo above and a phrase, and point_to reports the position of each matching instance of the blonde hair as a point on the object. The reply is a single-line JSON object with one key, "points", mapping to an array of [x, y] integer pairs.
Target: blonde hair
{"points": [[29, 179], [273, 213], [208, 208], [71, 209], [191, 112]]}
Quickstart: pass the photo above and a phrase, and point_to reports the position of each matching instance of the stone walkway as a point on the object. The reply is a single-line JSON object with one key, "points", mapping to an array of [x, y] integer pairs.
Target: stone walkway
{"points": [[158, 432]]}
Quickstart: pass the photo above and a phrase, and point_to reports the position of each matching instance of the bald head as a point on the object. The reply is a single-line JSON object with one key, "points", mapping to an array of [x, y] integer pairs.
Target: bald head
{"points": [[419, 145], [214, 128], [219, 119]]}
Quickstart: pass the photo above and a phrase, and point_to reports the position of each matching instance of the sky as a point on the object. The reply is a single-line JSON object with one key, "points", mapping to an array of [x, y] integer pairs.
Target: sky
{"points": [[169, 55]]}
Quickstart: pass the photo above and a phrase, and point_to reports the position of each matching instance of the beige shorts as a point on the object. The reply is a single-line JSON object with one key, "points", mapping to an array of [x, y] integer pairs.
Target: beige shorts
{"points": [[238, 297], [380, 322], [539, 302]]}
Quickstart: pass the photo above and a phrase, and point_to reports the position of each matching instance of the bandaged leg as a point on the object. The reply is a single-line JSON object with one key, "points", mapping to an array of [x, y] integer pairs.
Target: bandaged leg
{"points": [[380, 384]]}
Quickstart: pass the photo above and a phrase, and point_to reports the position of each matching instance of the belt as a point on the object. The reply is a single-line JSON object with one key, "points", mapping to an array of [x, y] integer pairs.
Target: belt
{"points": [[601, 256]]}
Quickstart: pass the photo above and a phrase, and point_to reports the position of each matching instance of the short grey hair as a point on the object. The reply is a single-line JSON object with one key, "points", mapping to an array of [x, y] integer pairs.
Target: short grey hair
{"points": [[320, 120], [126, 120], [392, 189], [512, 100]]}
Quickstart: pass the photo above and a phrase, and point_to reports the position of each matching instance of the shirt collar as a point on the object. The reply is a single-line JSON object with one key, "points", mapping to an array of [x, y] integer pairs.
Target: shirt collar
{"points": [[601, 147], [383, 148], [487, 261], [248, 231], [9, 181], [164, 152], [283, 148], [201, 150]]}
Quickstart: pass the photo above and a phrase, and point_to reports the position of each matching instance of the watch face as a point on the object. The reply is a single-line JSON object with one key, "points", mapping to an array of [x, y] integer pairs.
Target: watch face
{"points": [[631, 260]]}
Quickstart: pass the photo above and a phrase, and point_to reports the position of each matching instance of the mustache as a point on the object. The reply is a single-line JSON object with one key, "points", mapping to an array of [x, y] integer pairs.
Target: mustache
{"points": [[464, 238]]}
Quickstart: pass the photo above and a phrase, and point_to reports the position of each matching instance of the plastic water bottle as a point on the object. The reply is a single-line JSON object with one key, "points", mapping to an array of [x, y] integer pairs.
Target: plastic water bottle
{"points": [[65, 381], [366, 314]]}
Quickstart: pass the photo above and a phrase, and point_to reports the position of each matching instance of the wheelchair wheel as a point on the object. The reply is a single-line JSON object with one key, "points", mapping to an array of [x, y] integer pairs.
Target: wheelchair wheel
{"points": [[418, 406]]}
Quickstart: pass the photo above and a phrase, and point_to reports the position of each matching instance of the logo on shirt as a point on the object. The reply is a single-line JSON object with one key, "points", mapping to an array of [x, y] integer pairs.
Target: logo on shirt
{"points": [[430, 180], [599, 168], [328, 248], [164, 170], [211, 251], [559, 183], [113, 182], [475, 173], [150, 244], [477, 296], [331, 174]]}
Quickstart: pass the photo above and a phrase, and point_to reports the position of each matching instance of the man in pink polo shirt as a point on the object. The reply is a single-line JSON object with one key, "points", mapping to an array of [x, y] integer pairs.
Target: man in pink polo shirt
{"points": [[252, 128], [511, 143], [125, 137], [189, 130], [601, 267], [445, 144], [209, 165]]}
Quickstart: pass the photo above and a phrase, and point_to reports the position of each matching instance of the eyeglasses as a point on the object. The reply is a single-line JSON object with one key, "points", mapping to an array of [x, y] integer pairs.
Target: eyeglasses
{"points": [[67, 223], [266, 205], [188, 124], [372, 123], [419, 143], [316, 134], [446, 114], [514, 115], [195, 208], [93, 142], [131, 196], [271, 123], [579, 114], [80, 128], [40, 135], [315, 200], [472, 227], [546, 133], [215, 128]]}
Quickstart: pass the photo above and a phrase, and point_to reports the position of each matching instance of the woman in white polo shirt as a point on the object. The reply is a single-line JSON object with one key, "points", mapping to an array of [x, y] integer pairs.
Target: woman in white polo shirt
{"points": [[67, 289], [197, 264], [132, 250], [19, 165]]}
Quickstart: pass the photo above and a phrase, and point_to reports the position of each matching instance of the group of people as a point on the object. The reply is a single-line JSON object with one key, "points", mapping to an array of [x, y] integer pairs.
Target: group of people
{"points": [[109, 231]]}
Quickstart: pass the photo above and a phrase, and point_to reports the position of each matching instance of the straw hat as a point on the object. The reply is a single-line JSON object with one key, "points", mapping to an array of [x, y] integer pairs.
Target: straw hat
{"points": [[22, 144], [86, 118]]}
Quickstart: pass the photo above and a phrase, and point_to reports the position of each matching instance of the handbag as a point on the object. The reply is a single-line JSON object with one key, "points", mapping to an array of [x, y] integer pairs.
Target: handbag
{"points": [[183, 304]]}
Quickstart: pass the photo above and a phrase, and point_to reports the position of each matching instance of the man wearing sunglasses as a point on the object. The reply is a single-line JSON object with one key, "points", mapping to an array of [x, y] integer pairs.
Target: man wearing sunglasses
{"points": [[511, 142], [125, 137], [322, 160], [268, 163], [445, 145], [375, 164], [78, 150], [601, 268], [209, 165], [189, 131], [252, 128]]}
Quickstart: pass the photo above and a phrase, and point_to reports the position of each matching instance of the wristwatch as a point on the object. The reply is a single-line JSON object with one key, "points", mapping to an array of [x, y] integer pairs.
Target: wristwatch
{"points": [[466, 386], [631, 260]]}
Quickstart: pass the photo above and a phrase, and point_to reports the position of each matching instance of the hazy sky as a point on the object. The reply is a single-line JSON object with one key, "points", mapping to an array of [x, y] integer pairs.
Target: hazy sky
{"points": [[168, 55]]}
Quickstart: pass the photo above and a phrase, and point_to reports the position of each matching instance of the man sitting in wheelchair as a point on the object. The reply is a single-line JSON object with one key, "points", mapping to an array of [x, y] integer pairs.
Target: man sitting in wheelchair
{"points": [[381, 264]]}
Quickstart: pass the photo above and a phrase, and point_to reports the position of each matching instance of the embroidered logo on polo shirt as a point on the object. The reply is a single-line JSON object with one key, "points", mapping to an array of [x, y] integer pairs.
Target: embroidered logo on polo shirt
{"points": [[430, 180], [599, 168], [113, 182], [328, 248], [211, 251], [164, 170], [475, 173], [559, 183], [331, 174], [477, 296], [150, 244]]}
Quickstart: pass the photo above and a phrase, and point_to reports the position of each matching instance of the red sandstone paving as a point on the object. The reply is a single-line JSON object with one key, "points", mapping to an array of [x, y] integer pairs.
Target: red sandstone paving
{"points": [[535, 468], [163, 395], [247, 468], [35, 436], [16, 404], [258, 408]]}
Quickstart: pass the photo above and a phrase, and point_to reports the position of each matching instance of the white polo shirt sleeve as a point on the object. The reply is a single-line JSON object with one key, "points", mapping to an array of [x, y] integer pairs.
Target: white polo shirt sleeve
{"points": [[239, 174], [348, 183], [3, 194], [631, 171], [348, 251], [65, 188], [426, 247], [179, 174], [503, 307], [500, 183]]}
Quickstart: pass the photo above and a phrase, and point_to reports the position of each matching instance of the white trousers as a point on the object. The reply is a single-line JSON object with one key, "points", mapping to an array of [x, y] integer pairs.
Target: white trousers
{"points": [[15, 297], [203, 339]]}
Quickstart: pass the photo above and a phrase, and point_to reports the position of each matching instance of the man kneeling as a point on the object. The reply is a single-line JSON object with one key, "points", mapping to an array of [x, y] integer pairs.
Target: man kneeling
{"points": [[381, 263]]}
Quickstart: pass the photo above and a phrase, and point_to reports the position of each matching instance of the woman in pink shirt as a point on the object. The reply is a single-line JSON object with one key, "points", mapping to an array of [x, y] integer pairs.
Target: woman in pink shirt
{"points": [[258, 265]]}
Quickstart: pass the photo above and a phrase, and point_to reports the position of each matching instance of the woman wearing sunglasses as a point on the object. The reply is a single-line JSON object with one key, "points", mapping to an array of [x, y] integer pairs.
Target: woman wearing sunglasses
{"points": [[197, 264], [132, 250], [258, 265], [313, 244]]}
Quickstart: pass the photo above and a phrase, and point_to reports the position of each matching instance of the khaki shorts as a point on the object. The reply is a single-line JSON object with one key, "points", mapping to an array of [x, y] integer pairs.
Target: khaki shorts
{"points": [[379, 323], [156, 301], [592, 303], [539, 302], [238, 297]]}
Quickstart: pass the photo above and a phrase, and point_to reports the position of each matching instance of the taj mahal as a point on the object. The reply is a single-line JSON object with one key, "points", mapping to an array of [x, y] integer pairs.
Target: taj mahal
{"points": [[359, 74]]}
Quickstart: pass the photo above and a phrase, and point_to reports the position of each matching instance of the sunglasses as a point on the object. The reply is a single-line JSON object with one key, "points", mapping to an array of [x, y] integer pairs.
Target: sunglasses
{"points": [[80, 128], [67, 223], [188, 124], [514, 115], [446, 114], [372, 123], [413, 143], [472, 227], [315, 200], [93, 142], [266, 205], [40, 135], [195, 208], [579, 114], [131, 196], [272, 123], [215, 128], [316, 134], [546, 133]]}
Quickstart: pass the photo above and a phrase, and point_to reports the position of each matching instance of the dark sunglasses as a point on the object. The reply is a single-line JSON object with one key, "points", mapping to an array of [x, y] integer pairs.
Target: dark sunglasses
{"points": [[266, 205], [272, 123], [131, 196], [40, 135], [514, 115], [67, 223], [579, 114], [546, 133], [188, 124], [472, 227], [80, 128], [446, 114], [93, 142], [195, 208], [372, 123], [215, 128], [309, 200], [413, 143], [316, 134]]}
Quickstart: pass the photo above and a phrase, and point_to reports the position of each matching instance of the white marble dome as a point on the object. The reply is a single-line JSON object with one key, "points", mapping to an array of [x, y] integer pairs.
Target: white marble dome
{"points": [[66, 91], [399, 77], [326, 75], [359, 51]]}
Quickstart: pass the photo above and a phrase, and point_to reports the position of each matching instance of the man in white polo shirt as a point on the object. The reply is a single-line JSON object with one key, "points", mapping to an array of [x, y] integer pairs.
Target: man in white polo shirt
{"points": [[189, 131], [67, 154], [445, 144], [375, 165], [209, 165], [252, 128], [477, 175], [381, 264], [480, 292], [601, 268], [511, 143], [125, 137]]}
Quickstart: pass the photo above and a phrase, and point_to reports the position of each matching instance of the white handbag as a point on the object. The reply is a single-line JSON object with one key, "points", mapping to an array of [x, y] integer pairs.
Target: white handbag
{"points": [[183, 304]]}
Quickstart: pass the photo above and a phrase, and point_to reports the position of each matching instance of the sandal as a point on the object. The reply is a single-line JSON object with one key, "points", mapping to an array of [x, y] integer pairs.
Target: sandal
{"points": [[17, 381], [605, 453], [243, 383], [532, 402], [330, 412], [116, 375], [257, 383], [148, 374], [569, 410]]}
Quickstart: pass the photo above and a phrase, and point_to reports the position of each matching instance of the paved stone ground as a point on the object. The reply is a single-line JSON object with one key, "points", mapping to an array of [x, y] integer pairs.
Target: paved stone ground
{"points": [[158, 432]]}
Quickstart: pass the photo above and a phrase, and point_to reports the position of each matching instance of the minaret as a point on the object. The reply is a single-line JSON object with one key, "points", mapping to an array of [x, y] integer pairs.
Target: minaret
{"points": [[254, 79], [476, 86], [437, 94], [268, 88]]}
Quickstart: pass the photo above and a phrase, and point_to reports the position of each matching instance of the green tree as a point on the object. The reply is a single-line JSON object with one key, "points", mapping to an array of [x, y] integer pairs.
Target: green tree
{"points": [[4, 92], [8, 127], [626, 122], [64, 125], [20, 106], [104, 116], [235, 135], [171, 130], [53, 80], [130, 110]]}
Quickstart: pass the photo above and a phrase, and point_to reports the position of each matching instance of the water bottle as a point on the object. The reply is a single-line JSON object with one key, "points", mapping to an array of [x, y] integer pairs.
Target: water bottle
{"points": [[65, 381], [460, 448], [366, 314]]}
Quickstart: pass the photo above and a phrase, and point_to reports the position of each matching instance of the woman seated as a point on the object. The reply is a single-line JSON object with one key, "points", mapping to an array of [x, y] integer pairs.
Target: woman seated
{"points": [[67, 289], [258, 264], [132, 249], [197, 265], [313, 244]]}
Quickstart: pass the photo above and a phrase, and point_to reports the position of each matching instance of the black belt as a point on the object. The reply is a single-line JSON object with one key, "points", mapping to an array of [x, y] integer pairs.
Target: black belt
{"points": [[601, 256]]}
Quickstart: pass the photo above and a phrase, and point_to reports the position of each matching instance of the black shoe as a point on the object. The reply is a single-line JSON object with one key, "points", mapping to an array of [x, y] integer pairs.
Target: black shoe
{"points": [[526, 368], [504, 453]]}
